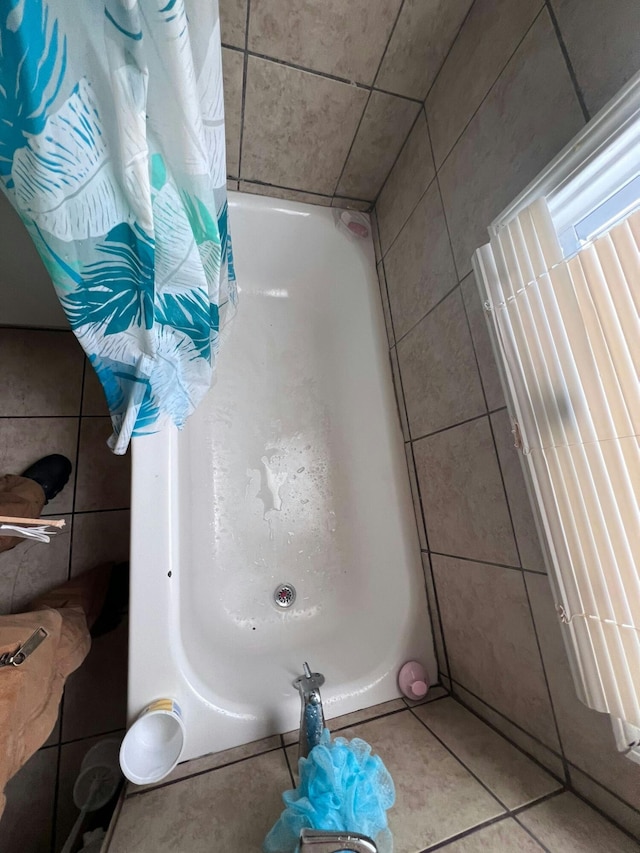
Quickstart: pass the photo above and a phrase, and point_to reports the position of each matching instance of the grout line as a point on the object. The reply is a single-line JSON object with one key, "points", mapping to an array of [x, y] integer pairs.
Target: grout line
{"points": [[597, 782], [487, 563], [56, 791], [600, 811], [120, 730], [440, 620], [386, 47], [466, 833], [244, 89], [289, 189], [430, 311], [453, 41], [567, 59], [488, 92], [421, 703], [459, 424], [289, 768]]}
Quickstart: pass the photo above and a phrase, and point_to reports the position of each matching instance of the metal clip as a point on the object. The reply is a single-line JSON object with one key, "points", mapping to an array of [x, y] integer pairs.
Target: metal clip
{"points": [[20, 655]]}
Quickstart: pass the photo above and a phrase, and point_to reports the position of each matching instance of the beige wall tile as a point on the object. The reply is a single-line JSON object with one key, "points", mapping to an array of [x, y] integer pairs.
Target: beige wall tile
{"points": [[438, 638], [233, 22], [506, 836], [435, 796], [28, 815], [587, 737], [551, 760], [343, 39], [439, 373], [386, 310], [232, 808], [41, 373], [25, 440], [462, 494], [482, 343], [602, 64], [488, 37], [419, 265], [407, 181], [375, 233], [531, 555], [99, 537], [233, 75], [529, 115], [423, 35], [613, 807], [566, 824], [507, 772], [282, 192], [415, 495], [298, 127], [397, 387], [491, 642], [232, 185], [104, 480], [95, 697], [32, 568], [384, 128]]}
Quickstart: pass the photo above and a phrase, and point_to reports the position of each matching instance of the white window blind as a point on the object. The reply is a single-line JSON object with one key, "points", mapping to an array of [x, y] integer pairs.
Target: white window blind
{"points": [[567, 333]]}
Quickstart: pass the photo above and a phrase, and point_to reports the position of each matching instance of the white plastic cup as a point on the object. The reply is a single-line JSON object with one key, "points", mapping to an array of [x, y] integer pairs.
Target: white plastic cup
{"points": [[153, 745]]}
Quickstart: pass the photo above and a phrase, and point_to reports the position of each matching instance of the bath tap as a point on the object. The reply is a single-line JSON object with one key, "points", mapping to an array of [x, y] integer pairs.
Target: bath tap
{"points": [[312, 715], [318, 841]]}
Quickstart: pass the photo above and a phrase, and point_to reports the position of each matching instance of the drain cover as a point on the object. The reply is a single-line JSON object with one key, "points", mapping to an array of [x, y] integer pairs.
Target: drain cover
{"points": [[285, 595]]}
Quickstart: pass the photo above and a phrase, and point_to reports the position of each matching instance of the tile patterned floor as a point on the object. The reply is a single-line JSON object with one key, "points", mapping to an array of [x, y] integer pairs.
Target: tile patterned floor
{"points": [[460, 788]]}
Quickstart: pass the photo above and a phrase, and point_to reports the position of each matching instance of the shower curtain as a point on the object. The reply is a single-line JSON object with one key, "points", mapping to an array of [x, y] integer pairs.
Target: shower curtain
{"points": [[112, 152]]}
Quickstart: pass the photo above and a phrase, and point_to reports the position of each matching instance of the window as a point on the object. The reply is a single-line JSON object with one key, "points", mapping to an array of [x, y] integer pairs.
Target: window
{"points": [[561, 283]]}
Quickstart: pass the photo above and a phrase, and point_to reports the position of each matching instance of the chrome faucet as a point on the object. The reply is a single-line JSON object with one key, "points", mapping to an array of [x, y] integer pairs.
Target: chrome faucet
{"points": [[318, 841], [312, 715]]}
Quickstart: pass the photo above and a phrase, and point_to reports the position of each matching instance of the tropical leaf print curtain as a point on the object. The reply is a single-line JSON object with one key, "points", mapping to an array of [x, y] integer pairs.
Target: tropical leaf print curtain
{"points": [[112, 152]]}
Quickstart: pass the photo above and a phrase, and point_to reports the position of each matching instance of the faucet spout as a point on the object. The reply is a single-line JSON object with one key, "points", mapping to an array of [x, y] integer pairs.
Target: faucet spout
{"points": [[311, 715]]}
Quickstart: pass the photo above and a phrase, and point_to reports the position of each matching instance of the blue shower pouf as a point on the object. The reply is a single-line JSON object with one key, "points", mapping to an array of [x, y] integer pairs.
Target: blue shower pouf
{"points": [[342, 787]]}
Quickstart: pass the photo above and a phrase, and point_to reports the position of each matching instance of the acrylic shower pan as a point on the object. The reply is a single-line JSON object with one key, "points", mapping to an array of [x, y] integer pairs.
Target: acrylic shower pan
{"points": [[289, 481]]}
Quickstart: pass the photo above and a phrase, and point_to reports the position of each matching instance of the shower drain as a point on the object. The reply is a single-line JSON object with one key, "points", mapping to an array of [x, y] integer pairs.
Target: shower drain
{"points": [[285, 595]]}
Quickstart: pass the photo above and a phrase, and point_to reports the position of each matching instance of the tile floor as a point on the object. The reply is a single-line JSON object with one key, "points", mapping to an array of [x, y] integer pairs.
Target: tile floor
{"points": [[51, 402], [460, 787]]}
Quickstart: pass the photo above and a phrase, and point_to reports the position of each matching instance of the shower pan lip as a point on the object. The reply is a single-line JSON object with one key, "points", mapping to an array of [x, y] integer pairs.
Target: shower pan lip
{"points": [[203, 627]]}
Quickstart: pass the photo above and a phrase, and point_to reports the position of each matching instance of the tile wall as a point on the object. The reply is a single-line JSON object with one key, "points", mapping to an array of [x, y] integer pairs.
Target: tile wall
{"points": [[51, 402], [320, 96], [521, 78]]}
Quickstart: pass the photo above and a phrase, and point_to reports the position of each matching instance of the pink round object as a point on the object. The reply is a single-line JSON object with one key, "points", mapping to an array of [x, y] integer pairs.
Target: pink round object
{"points": [[413, 681]]}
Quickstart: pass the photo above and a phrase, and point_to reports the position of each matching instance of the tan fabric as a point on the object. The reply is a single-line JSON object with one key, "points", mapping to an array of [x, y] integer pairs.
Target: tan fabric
{"points": [[22, 498], [30, 694]]}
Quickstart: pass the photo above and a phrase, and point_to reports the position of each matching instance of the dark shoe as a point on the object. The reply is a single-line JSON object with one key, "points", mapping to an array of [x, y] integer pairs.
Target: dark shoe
{"points": [[116, 603], [50, 472]]}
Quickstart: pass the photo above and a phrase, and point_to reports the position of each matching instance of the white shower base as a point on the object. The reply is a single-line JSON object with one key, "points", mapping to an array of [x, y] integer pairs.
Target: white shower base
{"points": [[291, 471]]}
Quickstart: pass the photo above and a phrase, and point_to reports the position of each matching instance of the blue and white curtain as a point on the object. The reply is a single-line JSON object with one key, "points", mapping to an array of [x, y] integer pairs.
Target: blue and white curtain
{"points": [[112, 152]]}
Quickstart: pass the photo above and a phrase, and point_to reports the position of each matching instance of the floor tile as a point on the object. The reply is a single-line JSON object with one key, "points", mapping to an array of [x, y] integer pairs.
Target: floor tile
{"points": [[282, 192], [421, 39], [435, 796], [233, 808], [397, 387], [604, 64], [28, 815], [491, 642], [94, 401], [41, 373], [407, 181], [233, 22], [386, 122], [531, 555], [415, 496], [95, 697], [508, 773], [482, 343], [434, 612], [104, 479], [213, 761], [233, 76], [462, 495], [439, 372], [298, 127], [32, 568], [419, 265], [71, 756], [488, 37], [506, 836], [437, 691], [25, 440], [99, 537], [586, 735], [545, 756], [567, 825], [534, 105], [343, 39]]}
